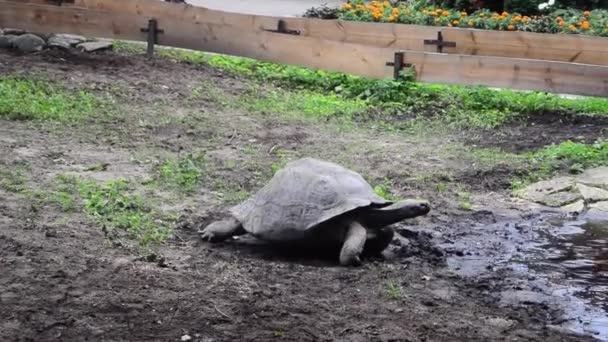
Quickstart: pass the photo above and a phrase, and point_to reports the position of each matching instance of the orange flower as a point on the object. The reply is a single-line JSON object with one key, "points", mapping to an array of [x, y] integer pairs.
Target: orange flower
{"points": [[445, 13], [437, 21], [391, 18], [562, 23], [347, 6], [439, 10], [471, 23], [455, 22], [449, 25], [559, 19], [587, 13], [395, 11], [386, 4], [425, 12], [572, 27], [463, 14], [483, 15], [516, 19], [504, 14], [511, 28], [585, 25]]}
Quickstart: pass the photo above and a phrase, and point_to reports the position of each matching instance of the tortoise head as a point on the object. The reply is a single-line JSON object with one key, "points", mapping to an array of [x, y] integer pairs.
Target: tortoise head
{"points": [[385, 216]]}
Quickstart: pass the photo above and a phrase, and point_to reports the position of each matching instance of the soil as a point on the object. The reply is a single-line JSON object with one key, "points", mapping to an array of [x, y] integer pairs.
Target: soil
{"points": [[61, 279], [543, 129]]}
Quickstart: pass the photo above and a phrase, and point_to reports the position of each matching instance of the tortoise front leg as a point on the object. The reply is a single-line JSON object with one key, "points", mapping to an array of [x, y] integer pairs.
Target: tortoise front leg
{"points": [[221, 230], [353, 244], [378, 240]]}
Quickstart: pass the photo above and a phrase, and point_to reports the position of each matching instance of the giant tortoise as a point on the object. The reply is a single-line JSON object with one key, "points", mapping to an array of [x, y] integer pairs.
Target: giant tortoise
{"points": [[318, 203]]}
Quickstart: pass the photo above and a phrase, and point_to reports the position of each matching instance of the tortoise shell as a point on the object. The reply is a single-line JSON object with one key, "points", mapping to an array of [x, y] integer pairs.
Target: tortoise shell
{"points": [[301, 196]]}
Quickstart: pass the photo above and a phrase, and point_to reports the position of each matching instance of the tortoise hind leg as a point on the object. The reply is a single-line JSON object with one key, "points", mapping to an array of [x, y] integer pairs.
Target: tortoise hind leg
{"points": [[353, 244], [221, 230]]}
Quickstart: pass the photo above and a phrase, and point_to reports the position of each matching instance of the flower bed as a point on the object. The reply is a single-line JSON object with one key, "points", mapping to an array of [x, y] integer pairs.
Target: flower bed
{"points": [[570, 21]]}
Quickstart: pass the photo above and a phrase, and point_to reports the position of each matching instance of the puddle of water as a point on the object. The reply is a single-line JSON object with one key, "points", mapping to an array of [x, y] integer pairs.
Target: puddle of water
{"points": [[575, 253]]}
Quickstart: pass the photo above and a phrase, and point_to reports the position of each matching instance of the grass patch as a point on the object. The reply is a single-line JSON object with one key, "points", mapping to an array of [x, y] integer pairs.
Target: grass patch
{"points": [[36, 99], [384, 190], [184, 173], [323, 94], [115, 207], [13, 179], [393, 290], [568, 157]]}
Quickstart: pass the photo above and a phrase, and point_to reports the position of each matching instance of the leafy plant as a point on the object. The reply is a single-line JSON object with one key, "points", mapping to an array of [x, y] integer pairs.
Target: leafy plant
{"points": [[183, 173], [33, 99]]}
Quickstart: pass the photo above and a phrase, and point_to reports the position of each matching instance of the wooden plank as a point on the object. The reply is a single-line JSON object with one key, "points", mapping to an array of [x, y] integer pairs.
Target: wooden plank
{"points": [[559, 47], [316, 53], [567, 48]]}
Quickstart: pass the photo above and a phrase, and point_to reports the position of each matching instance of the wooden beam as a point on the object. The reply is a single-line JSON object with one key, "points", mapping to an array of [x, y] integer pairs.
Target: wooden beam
{"points": [[314, 52], [558, 47], [555, 47]]}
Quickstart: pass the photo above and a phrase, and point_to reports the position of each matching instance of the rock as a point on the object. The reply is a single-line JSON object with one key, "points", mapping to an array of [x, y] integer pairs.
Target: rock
{"points": [[574, 208], [538, 191], [94, 46], [602, 206], [65, 41], [597, 177], [559, 199], [597, 211], [13, 31], [29, 43], [7, 41], [592, 194]]}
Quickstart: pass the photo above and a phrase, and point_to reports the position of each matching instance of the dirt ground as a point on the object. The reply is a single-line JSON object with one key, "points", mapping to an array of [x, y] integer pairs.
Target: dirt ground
{"points": [[61, 280]]}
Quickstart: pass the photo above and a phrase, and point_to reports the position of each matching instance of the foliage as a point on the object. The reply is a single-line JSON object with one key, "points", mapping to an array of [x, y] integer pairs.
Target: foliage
{"points": [[115, 207], [570, 156], [32, 99], [184, 173], [560, 21], [331, 94]]}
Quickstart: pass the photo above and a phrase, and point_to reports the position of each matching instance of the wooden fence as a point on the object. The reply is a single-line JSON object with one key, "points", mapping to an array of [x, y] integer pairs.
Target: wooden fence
{"points": [[571, 64]]}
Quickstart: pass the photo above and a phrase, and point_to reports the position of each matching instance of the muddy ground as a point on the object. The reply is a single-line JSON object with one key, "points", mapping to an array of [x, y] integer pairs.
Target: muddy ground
{"points": [[60, 278]]}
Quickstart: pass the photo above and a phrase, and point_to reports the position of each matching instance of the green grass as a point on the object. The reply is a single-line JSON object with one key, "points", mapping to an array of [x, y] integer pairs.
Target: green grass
{"points": [[393, 290], [183, 173], [570, 157], [323, 94], [114, 206], [384, 190], [37, 99], [12, 178]]}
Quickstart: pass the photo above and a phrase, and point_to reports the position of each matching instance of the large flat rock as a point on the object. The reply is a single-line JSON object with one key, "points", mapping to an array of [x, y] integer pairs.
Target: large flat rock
{"points": [[558, 191], [597, 177], [592, 194]]}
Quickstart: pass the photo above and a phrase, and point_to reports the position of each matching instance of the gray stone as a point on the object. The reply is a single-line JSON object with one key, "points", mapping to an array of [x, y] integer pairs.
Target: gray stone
{"points": [[574, 208], [560, 199], [94, 46], [7, 41], [538, 192], [592, 194], [597, 177], [14, 31], [65, 41], [601, 206], [29, 43]]}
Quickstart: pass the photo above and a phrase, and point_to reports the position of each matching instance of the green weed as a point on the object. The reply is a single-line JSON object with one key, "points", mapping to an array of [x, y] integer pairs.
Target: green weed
{"points": [[464, 200], [35, 99], [12, 178], [184, 173], [114, 206], [393, 290], [384, 190], [567, 156]]}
